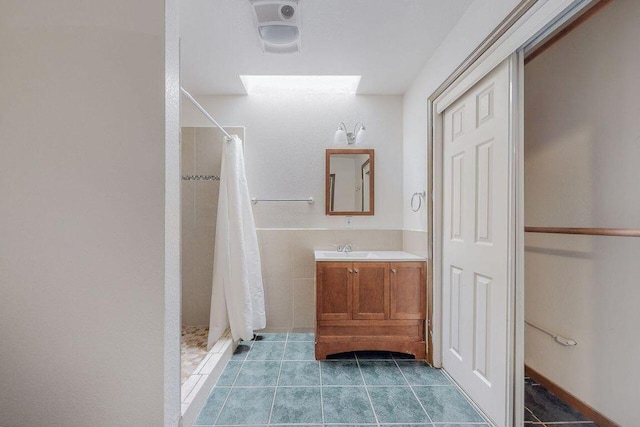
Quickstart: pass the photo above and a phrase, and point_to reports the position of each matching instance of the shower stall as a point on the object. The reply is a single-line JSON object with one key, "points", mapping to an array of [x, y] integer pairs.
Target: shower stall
{"points": [[201, 158]]}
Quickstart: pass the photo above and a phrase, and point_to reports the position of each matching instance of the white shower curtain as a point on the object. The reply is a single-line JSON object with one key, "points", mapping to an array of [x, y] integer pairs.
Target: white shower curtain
{"points": [[237, 297]]}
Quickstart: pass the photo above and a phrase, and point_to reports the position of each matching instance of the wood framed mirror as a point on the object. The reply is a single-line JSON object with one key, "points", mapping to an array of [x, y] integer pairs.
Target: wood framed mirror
{"points": [[349, 182]]}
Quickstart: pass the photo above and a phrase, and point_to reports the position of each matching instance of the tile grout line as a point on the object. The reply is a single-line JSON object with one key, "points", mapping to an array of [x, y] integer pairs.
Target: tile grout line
{"points": [[275, 389], [473, 404], [364, 383], [321, 394], [232, 385], [412, 390]]}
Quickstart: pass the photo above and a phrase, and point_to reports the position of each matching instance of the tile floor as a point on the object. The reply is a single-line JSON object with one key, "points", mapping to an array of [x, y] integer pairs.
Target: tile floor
{"points": [[193, 349], [544, 409], [275, 380]]}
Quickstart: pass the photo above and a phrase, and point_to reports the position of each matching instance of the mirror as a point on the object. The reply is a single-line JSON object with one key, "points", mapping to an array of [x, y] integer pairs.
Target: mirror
{"points": [[349, 182]]}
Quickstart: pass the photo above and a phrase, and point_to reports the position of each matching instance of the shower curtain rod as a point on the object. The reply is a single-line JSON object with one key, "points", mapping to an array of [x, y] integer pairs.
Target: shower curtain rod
{"points": [[203, 111]]}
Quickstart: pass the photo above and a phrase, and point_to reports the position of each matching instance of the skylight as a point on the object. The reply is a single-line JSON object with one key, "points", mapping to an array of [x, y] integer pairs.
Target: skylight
{"points": [[301, 84]]}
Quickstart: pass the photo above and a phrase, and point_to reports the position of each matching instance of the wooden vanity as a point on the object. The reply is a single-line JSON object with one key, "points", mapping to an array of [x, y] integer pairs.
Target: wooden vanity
{"points": [[370, 301]]}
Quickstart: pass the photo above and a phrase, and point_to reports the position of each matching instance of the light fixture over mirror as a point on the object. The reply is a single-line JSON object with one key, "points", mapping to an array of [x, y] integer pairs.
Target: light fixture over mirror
{"points": [[344, 137]]}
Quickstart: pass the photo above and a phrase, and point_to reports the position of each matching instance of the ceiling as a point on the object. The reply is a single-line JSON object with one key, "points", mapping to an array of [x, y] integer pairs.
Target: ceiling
{"points": [[385, 41]]}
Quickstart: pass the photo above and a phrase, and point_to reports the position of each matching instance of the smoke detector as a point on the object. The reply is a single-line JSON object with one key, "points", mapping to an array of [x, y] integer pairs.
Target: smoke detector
{"points": [[278, 25]]}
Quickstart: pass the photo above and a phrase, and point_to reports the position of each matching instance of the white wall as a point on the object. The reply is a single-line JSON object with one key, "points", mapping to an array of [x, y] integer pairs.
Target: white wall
{"points": [[82, 129], [479, 20], [582, 145], [286, 139]]}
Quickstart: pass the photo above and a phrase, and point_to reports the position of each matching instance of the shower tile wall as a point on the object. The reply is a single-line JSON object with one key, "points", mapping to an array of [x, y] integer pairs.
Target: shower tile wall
{"points": [[201, 154], [288, 269]]}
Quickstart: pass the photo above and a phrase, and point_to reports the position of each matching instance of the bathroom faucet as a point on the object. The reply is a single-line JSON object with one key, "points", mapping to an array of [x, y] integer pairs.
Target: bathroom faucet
{"points": [[345, 248]]}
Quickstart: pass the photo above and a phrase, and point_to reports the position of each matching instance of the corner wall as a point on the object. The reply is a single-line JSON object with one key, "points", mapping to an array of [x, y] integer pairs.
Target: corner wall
{"points": [[582, 145], [82, 184]]}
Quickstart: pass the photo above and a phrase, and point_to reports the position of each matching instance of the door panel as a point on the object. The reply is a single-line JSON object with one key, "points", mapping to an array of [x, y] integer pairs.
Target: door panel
{"points": [[407, 297], [475, 242], [371, 291], [334, 290]]}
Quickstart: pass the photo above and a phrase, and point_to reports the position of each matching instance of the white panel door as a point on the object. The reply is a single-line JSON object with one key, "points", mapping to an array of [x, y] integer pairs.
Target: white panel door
{"points": [[475, 268]]}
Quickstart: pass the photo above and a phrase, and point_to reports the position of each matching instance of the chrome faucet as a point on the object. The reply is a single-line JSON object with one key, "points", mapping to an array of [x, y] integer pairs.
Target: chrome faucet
{"points": [[345, 248]]}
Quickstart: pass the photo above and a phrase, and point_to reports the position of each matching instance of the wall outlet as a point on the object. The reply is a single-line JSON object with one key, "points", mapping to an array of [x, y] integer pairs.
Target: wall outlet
{"points": [[347, 221]]}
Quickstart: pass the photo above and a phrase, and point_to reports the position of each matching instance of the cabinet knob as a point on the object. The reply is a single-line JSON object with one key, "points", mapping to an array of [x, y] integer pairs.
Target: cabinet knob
{"points": [[355, 271], [351, 271], [393, 270]]}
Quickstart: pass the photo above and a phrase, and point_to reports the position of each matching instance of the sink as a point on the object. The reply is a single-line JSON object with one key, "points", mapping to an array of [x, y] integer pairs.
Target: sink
{"points": [[352, 254], [371, 256]]}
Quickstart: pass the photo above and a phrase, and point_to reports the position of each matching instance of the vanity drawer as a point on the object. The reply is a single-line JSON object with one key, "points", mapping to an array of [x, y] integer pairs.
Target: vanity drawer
{"points": [[370, 330]]}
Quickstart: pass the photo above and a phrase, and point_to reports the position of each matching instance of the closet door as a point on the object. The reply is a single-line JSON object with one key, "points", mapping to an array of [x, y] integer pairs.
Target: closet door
{"points": [[475, 245]]}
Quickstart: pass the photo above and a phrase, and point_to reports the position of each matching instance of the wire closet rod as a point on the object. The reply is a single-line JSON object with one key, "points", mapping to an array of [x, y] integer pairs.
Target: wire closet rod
{"points": [[203, 111], [559, 339], [620, 232], [309, 200]]}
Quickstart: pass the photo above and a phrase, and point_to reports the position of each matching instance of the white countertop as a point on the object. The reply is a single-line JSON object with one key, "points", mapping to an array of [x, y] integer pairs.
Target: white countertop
{"points": [[366, 256]]}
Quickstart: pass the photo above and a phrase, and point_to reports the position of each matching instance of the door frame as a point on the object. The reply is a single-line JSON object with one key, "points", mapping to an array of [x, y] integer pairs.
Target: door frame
{"points": [[528, 27]]}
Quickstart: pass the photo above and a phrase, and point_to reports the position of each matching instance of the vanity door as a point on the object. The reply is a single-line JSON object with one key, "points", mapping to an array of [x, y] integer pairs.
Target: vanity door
{"points": [[371, 291], [407, 291], [334, 290]]}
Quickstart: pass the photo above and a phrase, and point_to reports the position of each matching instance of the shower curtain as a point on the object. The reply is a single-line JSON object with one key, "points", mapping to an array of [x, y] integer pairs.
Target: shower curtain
{"points": [[237, 297]]}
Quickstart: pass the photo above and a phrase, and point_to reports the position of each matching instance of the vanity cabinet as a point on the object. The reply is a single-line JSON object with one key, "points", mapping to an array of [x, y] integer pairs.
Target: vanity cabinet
{"points": [[370, 306]]}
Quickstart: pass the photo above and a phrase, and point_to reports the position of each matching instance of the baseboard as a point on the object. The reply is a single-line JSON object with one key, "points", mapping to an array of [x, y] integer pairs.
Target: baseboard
{"points": [[570, 399]]}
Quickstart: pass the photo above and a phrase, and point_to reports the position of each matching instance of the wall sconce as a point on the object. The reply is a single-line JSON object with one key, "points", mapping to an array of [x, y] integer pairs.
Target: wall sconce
{"points": [[342, 136]]}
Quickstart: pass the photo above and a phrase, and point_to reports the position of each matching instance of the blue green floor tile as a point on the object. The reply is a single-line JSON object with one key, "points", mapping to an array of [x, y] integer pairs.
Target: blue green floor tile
{"points": [[340, 372], [300, 351], [419, 373], [275, 381], [229, 374], [347, 405], [212, 406], [266, 351], [247, 406], [258, 373], [300, 373], [301, 337], [445, 404], [381, 372], [397, 405], [297, 405]]}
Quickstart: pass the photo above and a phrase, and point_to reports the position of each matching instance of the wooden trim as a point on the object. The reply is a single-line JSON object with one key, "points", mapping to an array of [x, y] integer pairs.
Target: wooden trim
{"points": [[620, 232], [429, 325], [372, 177], [517, 13], [555, 38], [570, 399]]}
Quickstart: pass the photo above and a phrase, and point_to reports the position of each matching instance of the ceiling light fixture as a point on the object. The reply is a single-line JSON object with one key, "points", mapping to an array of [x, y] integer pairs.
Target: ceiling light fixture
{"points": [[278, 25], [356, 137], [335, 85]]}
